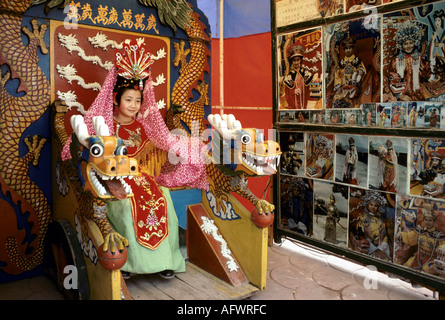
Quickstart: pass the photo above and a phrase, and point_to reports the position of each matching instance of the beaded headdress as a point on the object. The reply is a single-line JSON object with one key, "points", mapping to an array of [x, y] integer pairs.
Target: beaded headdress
{"points": [[134, 64], [374, 196], [408, 31]]}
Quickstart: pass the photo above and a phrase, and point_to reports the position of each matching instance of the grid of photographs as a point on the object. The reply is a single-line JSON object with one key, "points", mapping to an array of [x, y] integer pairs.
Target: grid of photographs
{"points": [[382, 196], [377, 195], [385, 70]]}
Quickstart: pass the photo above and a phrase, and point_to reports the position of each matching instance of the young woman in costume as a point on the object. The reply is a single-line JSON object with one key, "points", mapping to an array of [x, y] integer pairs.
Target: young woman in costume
{"points": [[148, 219]]}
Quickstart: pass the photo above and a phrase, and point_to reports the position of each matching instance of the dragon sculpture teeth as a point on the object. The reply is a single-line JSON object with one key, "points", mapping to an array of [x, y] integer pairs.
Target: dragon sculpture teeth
{"points": [[260, 164], [253, 157], [104, 184], [96, 178]]}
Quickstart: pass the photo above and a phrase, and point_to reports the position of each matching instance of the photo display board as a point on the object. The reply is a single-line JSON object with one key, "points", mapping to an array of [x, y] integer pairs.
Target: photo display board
{"points": [[359, 93]]}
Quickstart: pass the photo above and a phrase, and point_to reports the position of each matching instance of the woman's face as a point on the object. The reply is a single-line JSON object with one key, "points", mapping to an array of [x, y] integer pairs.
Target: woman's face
{"points": [[296, 62], [373, 207], [408, 46], [130, 102], [429, 222], [438, 23]]}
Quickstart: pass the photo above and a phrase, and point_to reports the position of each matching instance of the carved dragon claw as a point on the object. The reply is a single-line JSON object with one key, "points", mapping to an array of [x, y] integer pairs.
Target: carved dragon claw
{"points": [[264, 207], [37, 33], [113, 241]]}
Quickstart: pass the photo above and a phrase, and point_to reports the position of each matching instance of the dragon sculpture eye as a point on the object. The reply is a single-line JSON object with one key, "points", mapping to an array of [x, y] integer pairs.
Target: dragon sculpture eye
{"points": [[245, 139], [97, 150], [121, 151]]}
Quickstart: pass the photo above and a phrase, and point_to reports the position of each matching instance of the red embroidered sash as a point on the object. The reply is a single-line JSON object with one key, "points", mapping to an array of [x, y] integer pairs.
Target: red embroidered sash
{"points": [[149, 209]]}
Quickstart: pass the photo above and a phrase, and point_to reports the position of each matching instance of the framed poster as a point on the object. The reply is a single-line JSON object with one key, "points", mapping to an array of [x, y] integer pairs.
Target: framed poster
{"points": [[413, 54], [296, 205], [352, 63], [388, 159], [300, 70], [320, 151], [351, 159], [371, 223], [330, 218], [420, 235]]}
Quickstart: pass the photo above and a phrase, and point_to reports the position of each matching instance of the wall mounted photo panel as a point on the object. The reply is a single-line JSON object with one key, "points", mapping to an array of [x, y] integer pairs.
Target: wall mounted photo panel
{"points": [[413, 54], [427, 174], [420, 235], [371, 223], [388, 159], [331, 212], [351, 159], [296, 204], [300, 70], [352, 63], [320, 152]]}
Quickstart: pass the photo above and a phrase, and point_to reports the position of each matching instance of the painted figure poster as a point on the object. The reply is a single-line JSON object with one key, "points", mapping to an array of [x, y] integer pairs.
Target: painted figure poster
{"points": [[432, 114], [296, 201], [427, 174], [420, 235], [413, 54], [383, 114], [368, 112], [388, 164], [351, 159], [300, 70], [371, 223], [292, 159], [353, 117], [317, 117], [331, 212], [398, 114], [416, 112], [320, 155], [333, 116], [352, 63]]}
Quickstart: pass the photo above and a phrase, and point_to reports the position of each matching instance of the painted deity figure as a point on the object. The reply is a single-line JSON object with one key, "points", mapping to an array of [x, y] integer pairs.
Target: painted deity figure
{"points": [[296, 82]]}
